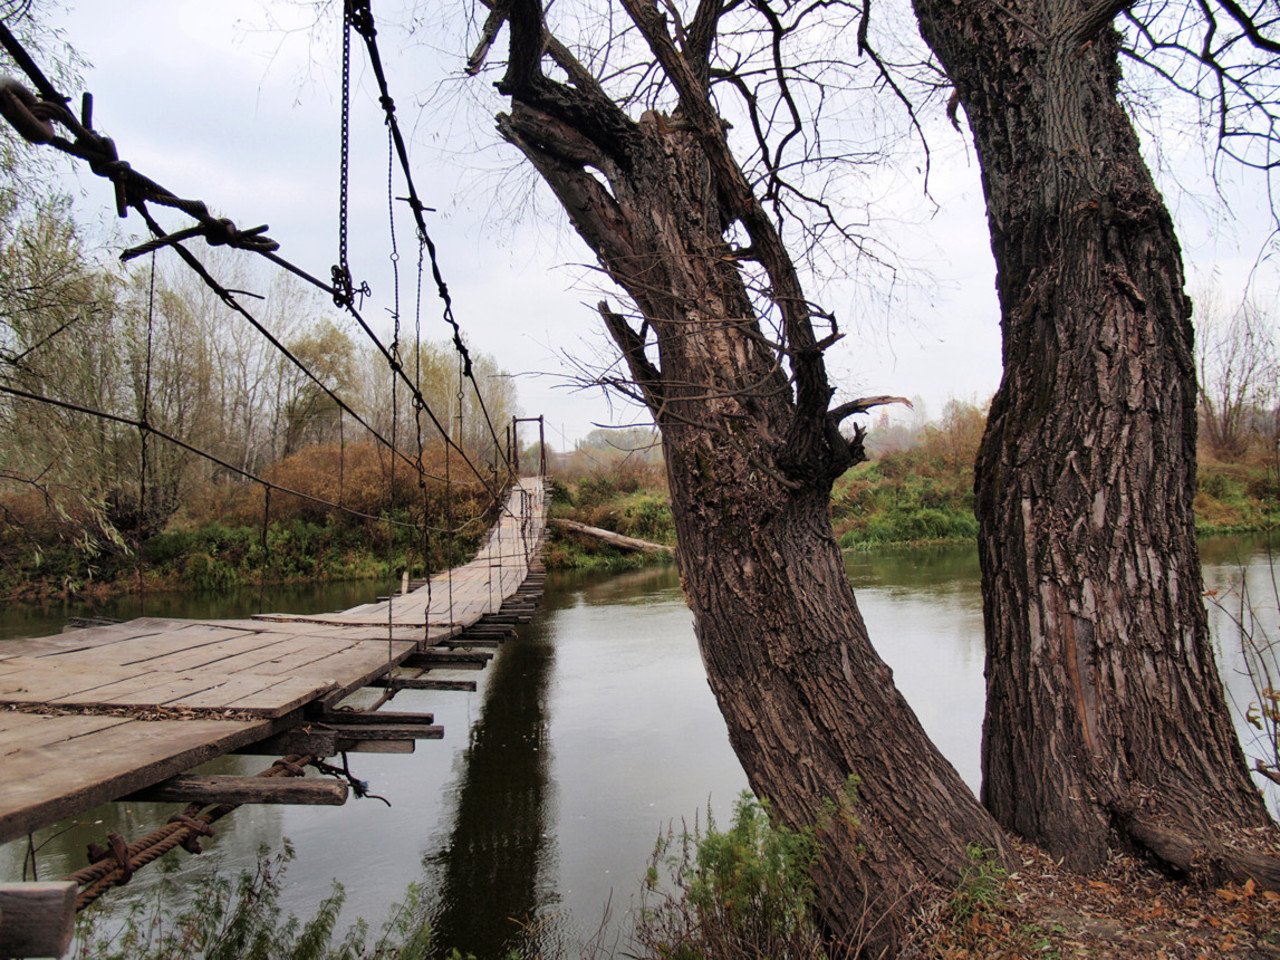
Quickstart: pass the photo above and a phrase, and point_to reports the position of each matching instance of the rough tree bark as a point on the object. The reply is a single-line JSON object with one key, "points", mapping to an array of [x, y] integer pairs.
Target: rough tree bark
{"points": [[751, 450], [1104, 707]]}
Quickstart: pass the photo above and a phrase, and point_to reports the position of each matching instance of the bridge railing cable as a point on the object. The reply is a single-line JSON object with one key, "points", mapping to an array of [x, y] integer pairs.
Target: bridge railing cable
{"points": [[34, 117], [360, 16]]}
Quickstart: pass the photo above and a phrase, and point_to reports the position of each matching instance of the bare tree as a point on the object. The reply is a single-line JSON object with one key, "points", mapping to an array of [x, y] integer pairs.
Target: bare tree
{"points": [[726, 349], [1105, 713], [1237, 363]]}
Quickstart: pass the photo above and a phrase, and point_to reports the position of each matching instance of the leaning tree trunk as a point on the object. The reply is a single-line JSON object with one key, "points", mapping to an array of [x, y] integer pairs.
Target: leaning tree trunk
{"points": [[811, 709], [1104, 706]]}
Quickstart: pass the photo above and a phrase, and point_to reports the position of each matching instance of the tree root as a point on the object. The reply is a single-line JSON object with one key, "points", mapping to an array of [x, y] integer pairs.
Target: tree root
{"points": [[1198, 857]]}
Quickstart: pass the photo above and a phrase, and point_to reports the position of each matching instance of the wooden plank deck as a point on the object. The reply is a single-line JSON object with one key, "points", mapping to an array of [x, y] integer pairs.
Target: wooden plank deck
{"points": [[152, 698]]}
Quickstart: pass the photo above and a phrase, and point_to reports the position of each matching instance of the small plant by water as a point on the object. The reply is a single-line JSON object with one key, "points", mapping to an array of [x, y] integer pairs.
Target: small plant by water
{"points": [[745, 892], [981, 892], [220, 918]]}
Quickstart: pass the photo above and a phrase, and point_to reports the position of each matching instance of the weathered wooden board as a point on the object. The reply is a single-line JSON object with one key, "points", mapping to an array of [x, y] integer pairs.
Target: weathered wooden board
{"points": [[28, 679], [263, 695], [37, 919], [215, 655], [141, 650], [94, 686], [23, 731], [215, 788], [96, 759]]}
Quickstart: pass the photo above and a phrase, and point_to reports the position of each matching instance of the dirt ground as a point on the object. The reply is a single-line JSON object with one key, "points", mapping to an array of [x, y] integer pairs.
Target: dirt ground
{"points": [[1125, 910]]}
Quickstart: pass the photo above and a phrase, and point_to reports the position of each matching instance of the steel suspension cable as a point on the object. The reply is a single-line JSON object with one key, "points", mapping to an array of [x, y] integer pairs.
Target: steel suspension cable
{"points": [[154, 431], [361, 15]]}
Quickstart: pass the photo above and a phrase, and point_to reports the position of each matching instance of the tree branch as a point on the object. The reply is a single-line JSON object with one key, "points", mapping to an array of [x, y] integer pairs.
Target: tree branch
{"points": [[631, 343], [1247, 25], [862, 405], [1095, 19]]}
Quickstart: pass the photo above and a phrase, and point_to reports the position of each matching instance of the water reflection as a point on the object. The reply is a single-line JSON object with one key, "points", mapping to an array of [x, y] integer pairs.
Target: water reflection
{"points": [[589, 734], [498, 865]]}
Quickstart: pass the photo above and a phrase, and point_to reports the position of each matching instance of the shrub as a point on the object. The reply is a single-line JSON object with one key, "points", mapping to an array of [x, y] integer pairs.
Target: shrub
{"points": [[224, 920], [746, 892]]}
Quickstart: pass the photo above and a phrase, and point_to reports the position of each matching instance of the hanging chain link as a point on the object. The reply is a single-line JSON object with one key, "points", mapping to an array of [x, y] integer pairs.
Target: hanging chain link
{"points": [[342, 287]]}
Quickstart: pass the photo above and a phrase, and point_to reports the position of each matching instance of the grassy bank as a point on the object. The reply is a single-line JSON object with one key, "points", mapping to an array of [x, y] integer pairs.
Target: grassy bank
{"points": [[220, 556], [225, 536], [629, 501], [915, 496]]}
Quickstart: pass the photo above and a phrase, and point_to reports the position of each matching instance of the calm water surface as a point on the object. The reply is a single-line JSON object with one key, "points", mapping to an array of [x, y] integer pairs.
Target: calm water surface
{"points": [[589, 735]]}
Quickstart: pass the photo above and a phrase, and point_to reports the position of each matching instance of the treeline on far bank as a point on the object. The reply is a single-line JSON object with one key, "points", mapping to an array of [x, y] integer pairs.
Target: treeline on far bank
{"points": [[143, 422], [917, 487], [233, 534]]}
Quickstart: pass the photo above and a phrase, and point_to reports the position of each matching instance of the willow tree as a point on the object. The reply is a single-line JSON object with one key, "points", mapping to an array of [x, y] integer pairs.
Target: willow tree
{"points": [[727, 351], [1104, 707]]}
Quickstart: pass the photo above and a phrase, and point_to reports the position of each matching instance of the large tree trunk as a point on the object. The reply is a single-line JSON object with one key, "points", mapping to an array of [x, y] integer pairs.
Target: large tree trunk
{"points": [[1104, 706], [750, 459]]}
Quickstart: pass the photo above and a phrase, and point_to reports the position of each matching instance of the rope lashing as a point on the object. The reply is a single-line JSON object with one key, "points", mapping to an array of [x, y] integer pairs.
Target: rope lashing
{"points": [[116, 864], [34, 117], [217, 233], [26, 112]]}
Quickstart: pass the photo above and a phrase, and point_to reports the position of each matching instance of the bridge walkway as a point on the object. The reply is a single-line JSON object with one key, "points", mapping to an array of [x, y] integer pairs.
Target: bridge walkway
{"points": [[98, 713]]}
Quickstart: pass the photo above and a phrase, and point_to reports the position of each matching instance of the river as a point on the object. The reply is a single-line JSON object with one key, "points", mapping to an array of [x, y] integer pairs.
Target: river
{"points": [[589, 734]]}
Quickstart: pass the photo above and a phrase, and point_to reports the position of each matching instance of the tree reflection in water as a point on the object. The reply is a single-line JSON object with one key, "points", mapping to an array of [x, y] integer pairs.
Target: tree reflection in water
{"points": [[497, 868]]}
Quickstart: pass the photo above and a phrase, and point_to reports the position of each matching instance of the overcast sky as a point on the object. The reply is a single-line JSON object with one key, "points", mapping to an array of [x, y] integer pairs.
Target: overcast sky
{"points": [[236, 103]]}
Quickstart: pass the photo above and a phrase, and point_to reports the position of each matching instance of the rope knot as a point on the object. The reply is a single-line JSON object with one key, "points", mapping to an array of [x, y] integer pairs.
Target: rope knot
{"points": [[222, 231], [26, 112]]}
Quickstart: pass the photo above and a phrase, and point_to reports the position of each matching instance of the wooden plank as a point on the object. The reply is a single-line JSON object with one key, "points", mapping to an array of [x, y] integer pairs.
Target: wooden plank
{"points": [[270, 696], [143, 649], [423, 683], [50, 781], [29, 679], [478, 643], [30, 731], [321, 743], [291, 654], [149, 689], [354, 668], [376, 746], [207, 788], [388, 731], [214, 655], [445, 658], [355, 717], [37, 919], [337, 659]]}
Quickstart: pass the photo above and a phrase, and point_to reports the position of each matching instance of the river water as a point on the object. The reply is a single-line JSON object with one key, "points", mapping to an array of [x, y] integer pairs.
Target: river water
{"points": [[590, 734]]}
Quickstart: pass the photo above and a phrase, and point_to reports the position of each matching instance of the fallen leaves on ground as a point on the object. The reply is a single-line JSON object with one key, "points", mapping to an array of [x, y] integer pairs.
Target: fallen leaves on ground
{"points": [[1125, 910]]}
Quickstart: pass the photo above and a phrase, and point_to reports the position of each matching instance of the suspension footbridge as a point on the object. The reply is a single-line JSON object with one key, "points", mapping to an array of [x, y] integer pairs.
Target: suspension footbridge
{"points": [[125, 710]]}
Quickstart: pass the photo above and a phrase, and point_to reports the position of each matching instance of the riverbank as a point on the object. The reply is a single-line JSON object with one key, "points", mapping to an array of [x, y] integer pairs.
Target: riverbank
{"points": [[911, 497], [918, 496], [217, 556]]}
